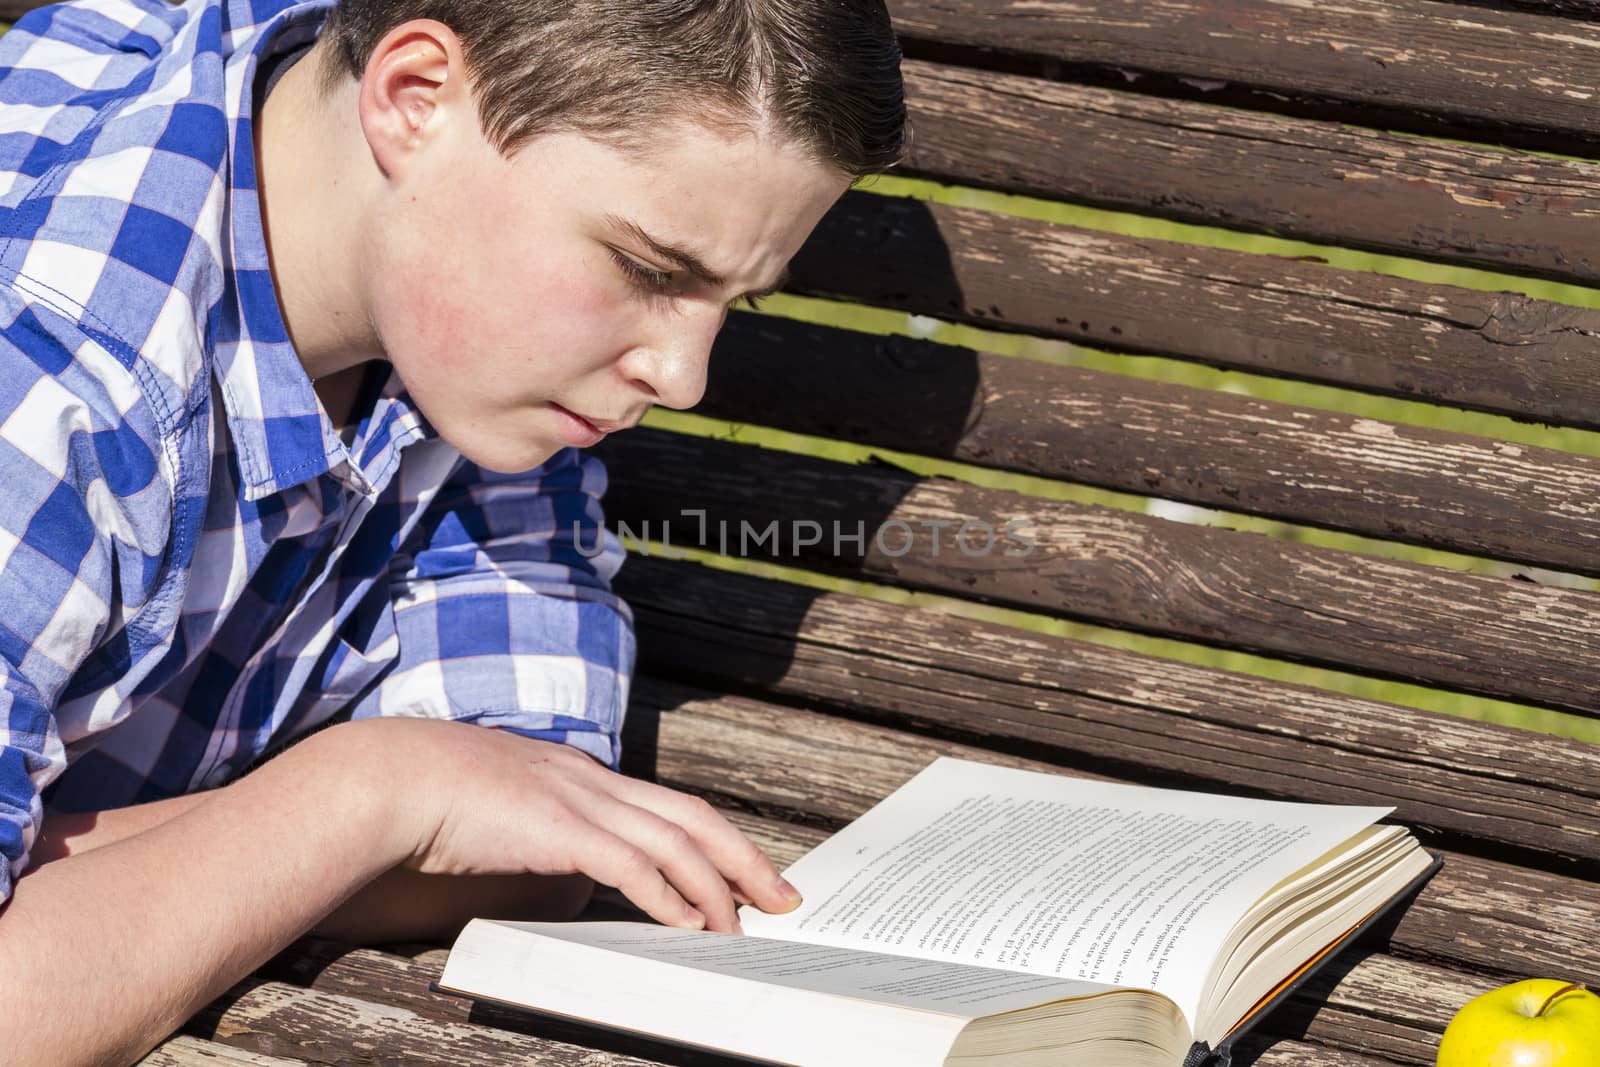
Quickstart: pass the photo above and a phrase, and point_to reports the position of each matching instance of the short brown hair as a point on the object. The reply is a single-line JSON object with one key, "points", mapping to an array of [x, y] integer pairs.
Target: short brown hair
{"points": [[824, 74]]}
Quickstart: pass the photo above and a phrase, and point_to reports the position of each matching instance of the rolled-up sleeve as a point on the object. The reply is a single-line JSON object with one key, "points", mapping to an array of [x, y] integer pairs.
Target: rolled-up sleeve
{"points": [[30, 756], [83, 496], [503, 609]]}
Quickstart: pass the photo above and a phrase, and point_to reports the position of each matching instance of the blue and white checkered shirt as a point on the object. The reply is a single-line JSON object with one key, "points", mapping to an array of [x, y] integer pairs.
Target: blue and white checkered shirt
{"points": [[194, 566]]}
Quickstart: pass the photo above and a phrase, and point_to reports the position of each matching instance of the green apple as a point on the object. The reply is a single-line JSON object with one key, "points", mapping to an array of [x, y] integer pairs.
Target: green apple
{"points": [[1537, 1023]]}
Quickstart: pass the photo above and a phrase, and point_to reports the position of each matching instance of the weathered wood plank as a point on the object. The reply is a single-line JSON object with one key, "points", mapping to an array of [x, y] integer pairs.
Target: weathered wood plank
{"points": [[1470, 632], [1562, 8], [1428, 487], [777, 764], [1264, 1051], [399, 982], [1462, 67], [1498, 352], [1396, 1009], [1198, 162], [186, 1051], [1094, 707], [276, 1019], [1567, 8]]}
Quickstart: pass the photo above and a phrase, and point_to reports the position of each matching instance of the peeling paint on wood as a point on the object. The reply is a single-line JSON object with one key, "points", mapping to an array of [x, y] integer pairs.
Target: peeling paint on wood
{"points": [[1455, 491], [1499, 352], [1090, 706], [186, 1051], [1197, 162], [1460, 65], [1474, 633]]}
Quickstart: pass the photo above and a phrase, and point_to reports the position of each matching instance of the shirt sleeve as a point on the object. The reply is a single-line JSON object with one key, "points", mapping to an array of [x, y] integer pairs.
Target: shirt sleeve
{"points": [[77, 462], [504, 612]]}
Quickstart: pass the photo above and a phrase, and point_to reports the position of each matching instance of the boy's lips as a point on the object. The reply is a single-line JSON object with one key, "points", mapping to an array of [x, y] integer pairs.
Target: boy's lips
{"points": [[580, 431], [606, 425]]}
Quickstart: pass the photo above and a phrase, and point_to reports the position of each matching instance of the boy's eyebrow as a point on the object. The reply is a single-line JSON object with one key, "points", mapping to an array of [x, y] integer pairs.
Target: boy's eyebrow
{"points": [[687, 260]]}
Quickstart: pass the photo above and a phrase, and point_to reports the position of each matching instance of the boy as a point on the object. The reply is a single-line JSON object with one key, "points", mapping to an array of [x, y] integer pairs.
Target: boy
{"points": [[292, 291]]}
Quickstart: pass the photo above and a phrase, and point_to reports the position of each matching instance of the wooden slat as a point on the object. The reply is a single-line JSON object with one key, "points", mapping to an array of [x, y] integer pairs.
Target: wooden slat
{"points": [[1492, 636], [1570, 8], [1560, 8], [399, 980], [1197, 162], [1428, 487], [1396, 1009], [1096, 707], [1499, 352], [786, 763], [1286, 1052], [186, 1051], [277, 1019], [1462, 67]]}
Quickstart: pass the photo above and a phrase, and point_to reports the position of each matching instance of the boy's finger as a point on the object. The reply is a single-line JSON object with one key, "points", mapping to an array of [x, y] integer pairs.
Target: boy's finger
{"points": [[677, 853], [742, 864], [611, 861]]}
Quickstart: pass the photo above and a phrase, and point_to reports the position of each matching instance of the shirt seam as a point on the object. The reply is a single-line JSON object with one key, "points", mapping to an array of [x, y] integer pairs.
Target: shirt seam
{"points": [[167, 424]]}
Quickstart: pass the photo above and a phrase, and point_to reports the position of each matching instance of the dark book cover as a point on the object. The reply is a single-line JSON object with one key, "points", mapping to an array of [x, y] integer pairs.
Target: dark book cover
{"points": [[1203, 1055]]}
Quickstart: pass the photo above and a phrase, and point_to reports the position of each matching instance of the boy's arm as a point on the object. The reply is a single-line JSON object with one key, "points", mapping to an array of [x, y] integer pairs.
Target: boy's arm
{"points": [[400, 905], [140, 934]]}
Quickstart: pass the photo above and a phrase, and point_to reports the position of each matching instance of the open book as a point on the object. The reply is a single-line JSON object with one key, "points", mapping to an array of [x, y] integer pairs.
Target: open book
{"points": [[986, 915]]}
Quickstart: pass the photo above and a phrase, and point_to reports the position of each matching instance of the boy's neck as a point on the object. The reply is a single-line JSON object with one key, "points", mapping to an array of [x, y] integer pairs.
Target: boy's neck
{"points": [[313, 175]]}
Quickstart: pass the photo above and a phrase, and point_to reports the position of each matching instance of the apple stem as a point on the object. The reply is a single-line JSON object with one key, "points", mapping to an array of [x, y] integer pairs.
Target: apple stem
{"points": [[1557, 995]]}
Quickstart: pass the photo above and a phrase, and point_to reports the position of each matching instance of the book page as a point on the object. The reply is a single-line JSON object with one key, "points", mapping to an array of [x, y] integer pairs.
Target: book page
{"points": [[1052, 875], [927, 985]]}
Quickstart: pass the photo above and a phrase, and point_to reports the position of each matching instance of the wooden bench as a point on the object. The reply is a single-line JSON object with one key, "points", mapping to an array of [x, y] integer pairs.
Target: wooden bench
{"points": [[795, 707]]}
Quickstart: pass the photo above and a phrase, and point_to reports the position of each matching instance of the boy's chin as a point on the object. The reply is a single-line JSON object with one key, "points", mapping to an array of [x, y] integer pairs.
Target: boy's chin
{"points": [[505, 456]]}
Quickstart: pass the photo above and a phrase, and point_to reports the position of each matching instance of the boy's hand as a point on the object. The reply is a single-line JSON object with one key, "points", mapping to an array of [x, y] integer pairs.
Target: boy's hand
{"points": [[471, 800]]}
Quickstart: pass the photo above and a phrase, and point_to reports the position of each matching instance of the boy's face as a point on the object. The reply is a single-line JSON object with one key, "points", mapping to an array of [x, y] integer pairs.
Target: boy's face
{"points": [[502, 292]]}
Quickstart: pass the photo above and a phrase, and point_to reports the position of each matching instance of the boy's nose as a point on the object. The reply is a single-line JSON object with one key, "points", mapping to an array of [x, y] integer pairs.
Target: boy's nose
{"points": [[674, 367]]}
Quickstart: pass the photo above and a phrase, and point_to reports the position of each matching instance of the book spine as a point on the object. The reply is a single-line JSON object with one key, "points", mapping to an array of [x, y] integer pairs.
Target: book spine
{"points": [[1203, 1055]]}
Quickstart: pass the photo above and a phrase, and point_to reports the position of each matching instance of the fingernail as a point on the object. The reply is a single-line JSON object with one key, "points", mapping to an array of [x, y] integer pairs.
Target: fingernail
{"points": [[789, 892], [693, 919]]}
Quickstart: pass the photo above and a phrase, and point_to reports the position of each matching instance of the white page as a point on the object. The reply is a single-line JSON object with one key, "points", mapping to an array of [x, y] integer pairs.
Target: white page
{"points": [[1051, 875], [519, 964], [925, 985]]}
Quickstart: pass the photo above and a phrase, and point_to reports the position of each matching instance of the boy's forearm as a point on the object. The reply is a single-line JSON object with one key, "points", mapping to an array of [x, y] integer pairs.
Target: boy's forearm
{"points": [[400, 905], [403, 905], [73, 833], [141, 933]]}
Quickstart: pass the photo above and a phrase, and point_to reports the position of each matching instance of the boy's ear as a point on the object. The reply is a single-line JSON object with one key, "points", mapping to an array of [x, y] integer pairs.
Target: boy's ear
{"points": [[416, 72]]}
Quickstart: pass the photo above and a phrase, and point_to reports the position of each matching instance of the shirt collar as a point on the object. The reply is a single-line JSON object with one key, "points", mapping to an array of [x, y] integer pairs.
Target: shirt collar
{"points": [[280, 436]]}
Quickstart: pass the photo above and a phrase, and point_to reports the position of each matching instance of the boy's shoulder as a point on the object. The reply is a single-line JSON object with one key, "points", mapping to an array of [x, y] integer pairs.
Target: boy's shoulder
{"points": [[128, 207]]}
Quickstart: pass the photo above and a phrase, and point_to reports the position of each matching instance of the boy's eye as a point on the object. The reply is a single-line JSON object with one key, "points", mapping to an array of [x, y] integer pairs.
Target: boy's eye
{"points": [[651, 281]]}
